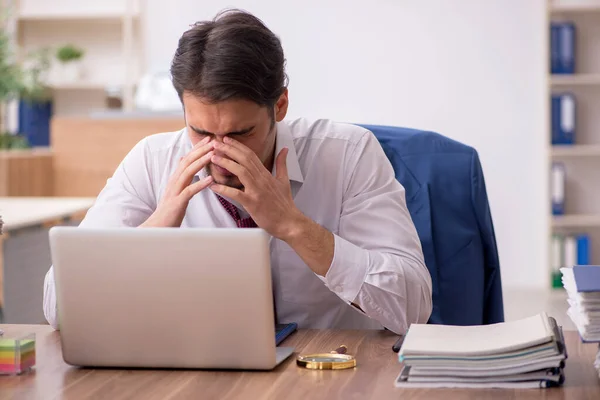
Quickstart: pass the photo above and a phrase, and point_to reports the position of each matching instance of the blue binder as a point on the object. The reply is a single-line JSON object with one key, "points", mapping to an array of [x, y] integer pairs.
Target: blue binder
{"points": [[564, 118], [566, 48], [554, 49], [583, 249], [558, 188]]}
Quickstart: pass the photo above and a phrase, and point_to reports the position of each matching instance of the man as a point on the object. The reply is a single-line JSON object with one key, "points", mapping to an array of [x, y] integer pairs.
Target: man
{"points": [[344, 252]]}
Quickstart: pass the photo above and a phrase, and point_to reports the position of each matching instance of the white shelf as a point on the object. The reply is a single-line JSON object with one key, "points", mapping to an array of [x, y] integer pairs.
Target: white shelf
{"points": [[577, 150], [574, 8], [81, 86], [575, 79], [109, 31], [575, 221], [73, 16]]}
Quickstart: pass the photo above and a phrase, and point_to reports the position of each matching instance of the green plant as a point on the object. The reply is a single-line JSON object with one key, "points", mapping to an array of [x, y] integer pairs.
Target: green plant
{"points": [[9, 141], [69, 52], [34, 88], [10, 72], [17, 81]]}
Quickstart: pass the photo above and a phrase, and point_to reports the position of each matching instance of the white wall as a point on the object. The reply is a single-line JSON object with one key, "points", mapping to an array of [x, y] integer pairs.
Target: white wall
{"points": [[472, 70]]}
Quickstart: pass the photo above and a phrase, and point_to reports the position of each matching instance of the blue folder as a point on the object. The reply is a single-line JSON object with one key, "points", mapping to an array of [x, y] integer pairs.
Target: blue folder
{"points": [[583, 250], [587, 278], [282, 331], [554, 50], [562, 47], [563, 118]]}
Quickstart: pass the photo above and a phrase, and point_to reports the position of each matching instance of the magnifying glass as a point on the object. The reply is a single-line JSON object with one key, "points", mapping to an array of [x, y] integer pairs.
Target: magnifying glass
{"points": [[337, 359]]}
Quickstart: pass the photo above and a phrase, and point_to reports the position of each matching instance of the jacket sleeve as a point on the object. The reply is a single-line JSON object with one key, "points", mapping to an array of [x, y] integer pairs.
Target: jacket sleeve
{"points": [[493, 307]]}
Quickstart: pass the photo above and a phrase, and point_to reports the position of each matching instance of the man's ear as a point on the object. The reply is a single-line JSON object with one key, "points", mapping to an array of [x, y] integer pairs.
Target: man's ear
{"points": [[281, 106]]}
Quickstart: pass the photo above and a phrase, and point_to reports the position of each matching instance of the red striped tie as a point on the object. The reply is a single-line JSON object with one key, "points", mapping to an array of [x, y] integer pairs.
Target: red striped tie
{"points": [[233, 211]]}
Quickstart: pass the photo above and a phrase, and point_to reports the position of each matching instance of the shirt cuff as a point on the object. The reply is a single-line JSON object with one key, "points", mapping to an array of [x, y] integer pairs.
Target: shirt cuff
{"points": [[348, 269]]}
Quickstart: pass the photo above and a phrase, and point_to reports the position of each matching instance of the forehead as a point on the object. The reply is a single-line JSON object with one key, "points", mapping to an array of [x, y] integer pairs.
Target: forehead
{"points": [[226, 116]]}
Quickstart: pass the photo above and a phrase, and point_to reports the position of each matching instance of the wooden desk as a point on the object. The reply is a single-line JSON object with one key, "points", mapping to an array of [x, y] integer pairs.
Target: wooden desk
{"points": [[372, 379], [25, 247]]}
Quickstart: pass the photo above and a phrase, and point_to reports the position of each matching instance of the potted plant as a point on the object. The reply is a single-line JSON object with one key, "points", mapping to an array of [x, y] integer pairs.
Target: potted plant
{"points": [[70, 57], [11, 85], [35, 105]]}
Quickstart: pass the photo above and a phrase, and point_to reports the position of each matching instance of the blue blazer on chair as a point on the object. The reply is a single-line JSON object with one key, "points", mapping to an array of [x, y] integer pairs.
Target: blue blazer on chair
{"points": [[447, 200]]}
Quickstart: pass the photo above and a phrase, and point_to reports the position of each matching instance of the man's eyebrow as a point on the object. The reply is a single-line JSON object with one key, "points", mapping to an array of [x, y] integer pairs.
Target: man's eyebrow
{"points": [[203, 132]]}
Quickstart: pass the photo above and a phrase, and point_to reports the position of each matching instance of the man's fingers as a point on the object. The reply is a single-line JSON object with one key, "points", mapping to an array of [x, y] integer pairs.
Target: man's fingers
{"points": [[200, 149], [239, 153], [232, 193], [196, 187], [281, 165], [185, 178], [237, 169]]}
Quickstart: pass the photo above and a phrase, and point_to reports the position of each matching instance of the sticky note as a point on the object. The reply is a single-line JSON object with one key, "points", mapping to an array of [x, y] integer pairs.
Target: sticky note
{"points": [[17, 354]]}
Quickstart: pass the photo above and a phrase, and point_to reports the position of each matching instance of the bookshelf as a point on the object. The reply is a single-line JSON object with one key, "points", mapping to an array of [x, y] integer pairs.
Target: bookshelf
{"points": [[560, 152], [110, 33], [581, 160], [575, 80]]}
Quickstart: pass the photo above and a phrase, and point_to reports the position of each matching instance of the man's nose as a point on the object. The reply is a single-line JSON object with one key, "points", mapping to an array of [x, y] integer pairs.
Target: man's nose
{"points": [[218, 139]]}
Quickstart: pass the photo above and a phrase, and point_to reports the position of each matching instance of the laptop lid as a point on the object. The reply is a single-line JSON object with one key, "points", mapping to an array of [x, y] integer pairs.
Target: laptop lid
{"points": [[164, 297]]}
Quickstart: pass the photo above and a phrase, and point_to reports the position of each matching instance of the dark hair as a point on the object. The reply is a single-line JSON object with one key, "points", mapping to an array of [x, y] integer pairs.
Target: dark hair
{"points": [[234, 56]]}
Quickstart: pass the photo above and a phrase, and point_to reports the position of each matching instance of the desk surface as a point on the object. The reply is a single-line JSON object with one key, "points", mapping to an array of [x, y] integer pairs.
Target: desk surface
{"points": [[20, 212], [372, 379]]}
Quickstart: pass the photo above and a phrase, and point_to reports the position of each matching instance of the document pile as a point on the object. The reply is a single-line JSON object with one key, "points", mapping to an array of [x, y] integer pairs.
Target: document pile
{"points": [[527, 353], [582, 283]]}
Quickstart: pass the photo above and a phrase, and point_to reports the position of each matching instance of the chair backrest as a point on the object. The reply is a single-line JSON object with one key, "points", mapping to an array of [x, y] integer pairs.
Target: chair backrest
{"points": [[447, 200]]}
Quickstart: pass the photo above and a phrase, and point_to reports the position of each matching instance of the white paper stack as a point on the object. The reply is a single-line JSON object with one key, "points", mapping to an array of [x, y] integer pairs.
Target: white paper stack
{"points": [[582, 284], [597, 362], [527, 353]]}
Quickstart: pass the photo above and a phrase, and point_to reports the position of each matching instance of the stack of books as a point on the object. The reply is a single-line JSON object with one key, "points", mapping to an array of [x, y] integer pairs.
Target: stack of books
{"points": [[526, 353], [582, 284]]}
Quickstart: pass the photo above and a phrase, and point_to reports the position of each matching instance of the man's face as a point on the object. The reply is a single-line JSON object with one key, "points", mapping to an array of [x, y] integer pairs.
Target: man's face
{"points": [[242, 120]]}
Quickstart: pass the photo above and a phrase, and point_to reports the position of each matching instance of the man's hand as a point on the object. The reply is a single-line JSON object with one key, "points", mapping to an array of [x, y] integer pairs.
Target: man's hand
{"points": [[269, 201], [267, 198], [180, 190]]}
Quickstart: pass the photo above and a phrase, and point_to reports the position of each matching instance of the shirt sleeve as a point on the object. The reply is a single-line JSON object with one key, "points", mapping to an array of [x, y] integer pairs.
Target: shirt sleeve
{"points": [[378, 263], [127, 200]]}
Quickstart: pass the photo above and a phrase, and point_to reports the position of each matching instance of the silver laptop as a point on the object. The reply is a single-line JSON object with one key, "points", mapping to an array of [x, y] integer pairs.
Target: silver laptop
{"points": [[165, 298]]}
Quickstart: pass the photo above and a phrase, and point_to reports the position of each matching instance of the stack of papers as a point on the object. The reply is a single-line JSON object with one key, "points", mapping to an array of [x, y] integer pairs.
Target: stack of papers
{"points": [[597, 362], [582, 283], [527, 353]]}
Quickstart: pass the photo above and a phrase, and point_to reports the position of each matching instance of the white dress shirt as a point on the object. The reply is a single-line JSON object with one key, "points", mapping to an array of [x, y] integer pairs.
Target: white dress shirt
{"points": [[340, 178]]}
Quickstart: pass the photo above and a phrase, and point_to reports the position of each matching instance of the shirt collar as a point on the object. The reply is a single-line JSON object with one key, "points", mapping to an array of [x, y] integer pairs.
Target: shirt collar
{"points": [[285, 139]]}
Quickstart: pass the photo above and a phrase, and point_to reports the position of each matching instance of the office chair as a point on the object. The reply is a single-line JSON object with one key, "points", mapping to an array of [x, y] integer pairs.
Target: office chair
{"points": [[447, 200]]}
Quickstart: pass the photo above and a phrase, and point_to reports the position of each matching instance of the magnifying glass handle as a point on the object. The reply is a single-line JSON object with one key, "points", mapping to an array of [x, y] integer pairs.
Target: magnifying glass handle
{"points": [[340, 350]]}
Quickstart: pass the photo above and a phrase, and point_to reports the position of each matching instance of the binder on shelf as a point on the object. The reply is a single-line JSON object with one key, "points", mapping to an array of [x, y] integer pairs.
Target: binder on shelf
{"points": [[558, 242], [583, 249], [554, 50], [562, 47], [563, 118], [568, 250], [558, 188]]}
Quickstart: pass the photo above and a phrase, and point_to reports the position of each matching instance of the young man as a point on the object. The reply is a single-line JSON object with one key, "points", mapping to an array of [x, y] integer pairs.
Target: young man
{"points": [[344, 254]]}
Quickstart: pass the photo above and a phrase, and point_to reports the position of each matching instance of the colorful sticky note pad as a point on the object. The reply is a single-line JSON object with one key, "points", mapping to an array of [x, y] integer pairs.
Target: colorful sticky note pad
{"points": [[17, 355]]}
